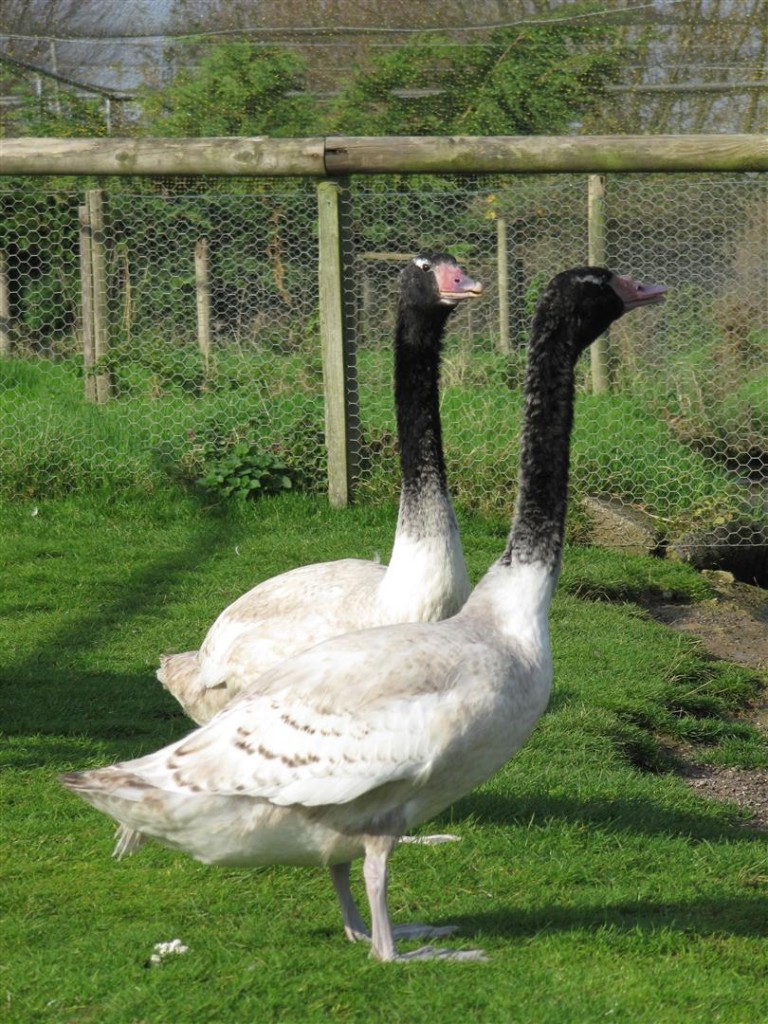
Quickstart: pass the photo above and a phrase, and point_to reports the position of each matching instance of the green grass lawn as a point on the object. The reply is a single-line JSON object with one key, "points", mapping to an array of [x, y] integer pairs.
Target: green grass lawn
{"points": [[600, 886]]}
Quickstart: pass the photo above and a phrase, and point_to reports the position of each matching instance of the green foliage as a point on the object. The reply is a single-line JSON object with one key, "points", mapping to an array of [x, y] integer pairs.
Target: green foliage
{"points": [[38, 233], [713, 393], [243, 471], [56, 112], [234, 465], [303, 447], [620, 440], [157, 368], [236, 89], [597, 574], [171, 419], [524, 81], [63, 445], [258, 295]]}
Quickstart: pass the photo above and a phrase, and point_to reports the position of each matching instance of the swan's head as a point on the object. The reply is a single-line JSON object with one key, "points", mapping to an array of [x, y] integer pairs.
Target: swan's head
{"points": [[589, 299], [436, 279]]}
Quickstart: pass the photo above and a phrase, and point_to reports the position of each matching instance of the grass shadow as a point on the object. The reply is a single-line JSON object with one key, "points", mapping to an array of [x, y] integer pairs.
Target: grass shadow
{"points": [[122, 715], [44, 693], [636, 815], [703, 917]]}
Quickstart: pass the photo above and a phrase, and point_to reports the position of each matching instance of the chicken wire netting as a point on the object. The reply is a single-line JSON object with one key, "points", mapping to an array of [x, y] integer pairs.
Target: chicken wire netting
{"points": [[170, 336]]}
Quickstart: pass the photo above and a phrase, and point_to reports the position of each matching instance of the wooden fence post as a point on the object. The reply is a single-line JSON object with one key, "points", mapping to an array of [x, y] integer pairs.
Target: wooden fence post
{"points": [[203, 298], [502, 274], [95, 201], [127, 319], [600, 350], [5, 309], [86, 303], [337, 337]]}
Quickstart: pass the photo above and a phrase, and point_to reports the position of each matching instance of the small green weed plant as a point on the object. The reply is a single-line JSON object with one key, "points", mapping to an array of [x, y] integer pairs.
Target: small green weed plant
{"points": [[245, 472], [234, 466]]}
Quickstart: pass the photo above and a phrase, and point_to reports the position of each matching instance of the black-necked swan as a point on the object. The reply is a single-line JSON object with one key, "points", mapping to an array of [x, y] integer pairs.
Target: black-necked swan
{"points": [[426, 578], [341, 750]]}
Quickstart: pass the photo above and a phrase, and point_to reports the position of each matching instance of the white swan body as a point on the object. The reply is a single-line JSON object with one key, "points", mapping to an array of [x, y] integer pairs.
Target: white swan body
{"points": [[426, 580], [288, 773], [337, 752]]}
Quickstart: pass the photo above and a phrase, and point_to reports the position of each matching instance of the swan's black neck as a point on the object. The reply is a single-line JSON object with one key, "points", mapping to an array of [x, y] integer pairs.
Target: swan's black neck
{"points": [[538, 526], [577, 306], [560, 332], [418, 344]]}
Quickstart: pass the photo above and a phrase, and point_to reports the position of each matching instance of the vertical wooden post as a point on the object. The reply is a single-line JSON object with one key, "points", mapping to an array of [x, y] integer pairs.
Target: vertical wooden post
{"points": [[338, 349], [127, 294], [502, 273], [367, 293], [599, 351], [86, 303], [5, 309], [203, 298], [350, 308], [95, 201]]}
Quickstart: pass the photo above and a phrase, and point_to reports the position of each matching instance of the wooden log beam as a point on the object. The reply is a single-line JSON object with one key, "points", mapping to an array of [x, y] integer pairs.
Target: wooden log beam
{"points": [[157, 157], [541, 154], [341, 155]]}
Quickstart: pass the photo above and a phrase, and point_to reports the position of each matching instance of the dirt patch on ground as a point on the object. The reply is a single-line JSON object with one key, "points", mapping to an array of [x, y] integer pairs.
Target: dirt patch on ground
{"points": [[746, 787], [732, 626]]}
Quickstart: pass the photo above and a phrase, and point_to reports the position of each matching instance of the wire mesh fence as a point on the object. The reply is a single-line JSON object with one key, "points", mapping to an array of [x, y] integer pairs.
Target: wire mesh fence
{"points": [[170, 334]]}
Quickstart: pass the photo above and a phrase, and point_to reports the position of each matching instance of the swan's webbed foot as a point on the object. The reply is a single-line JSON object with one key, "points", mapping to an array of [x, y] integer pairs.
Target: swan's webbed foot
{"points": [[430, 840], [406, 932], [433, 953]]}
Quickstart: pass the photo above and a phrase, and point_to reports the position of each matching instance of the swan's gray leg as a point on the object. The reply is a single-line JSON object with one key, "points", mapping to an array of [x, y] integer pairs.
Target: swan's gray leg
{"points": [[375, 873], [354, 927], [377, 851]]}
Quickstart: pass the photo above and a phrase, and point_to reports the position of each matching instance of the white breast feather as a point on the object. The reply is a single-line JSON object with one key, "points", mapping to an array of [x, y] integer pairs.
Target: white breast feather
{"points": [[426, 580]]}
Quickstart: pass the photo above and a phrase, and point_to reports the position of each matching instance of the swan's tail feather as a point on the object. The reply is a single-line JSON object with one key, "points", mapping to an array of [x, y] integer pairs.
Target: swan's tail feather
{"points": [[179, 672], [180, 675], [128, 841], [133, 802], [103, 783]]}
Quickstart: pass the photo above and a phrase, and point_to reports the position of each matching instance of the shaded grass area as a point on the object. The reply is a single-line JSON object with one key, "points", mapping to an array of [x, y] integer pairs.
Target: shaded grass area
{"points": [[597, 882]]}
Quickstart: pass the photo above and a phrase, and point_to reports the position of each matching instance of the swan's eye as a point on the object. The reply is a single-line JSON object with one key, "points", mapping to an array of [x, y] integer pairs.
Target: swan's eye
{"points": [[422, 263]]}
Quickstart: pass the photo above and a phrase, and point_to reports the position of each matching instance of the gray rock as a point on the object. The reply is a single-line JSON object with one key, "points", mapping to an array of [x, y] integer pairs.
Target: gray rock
{"points": [[621, 528]]}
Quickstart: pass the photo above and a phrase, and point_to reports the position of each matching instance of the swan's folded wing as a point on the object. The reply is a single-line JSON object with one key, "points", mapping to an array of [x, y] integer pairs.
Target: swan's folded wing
{"points": [[283, 616], [323, 733]]}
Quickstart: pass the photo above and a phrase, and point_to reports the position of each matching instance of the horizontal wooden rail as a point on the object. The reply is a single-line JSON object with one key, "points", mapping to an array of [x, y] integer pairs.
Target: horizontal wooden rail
{"points": [[539, 154], [227, 156], [397, 154]]}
